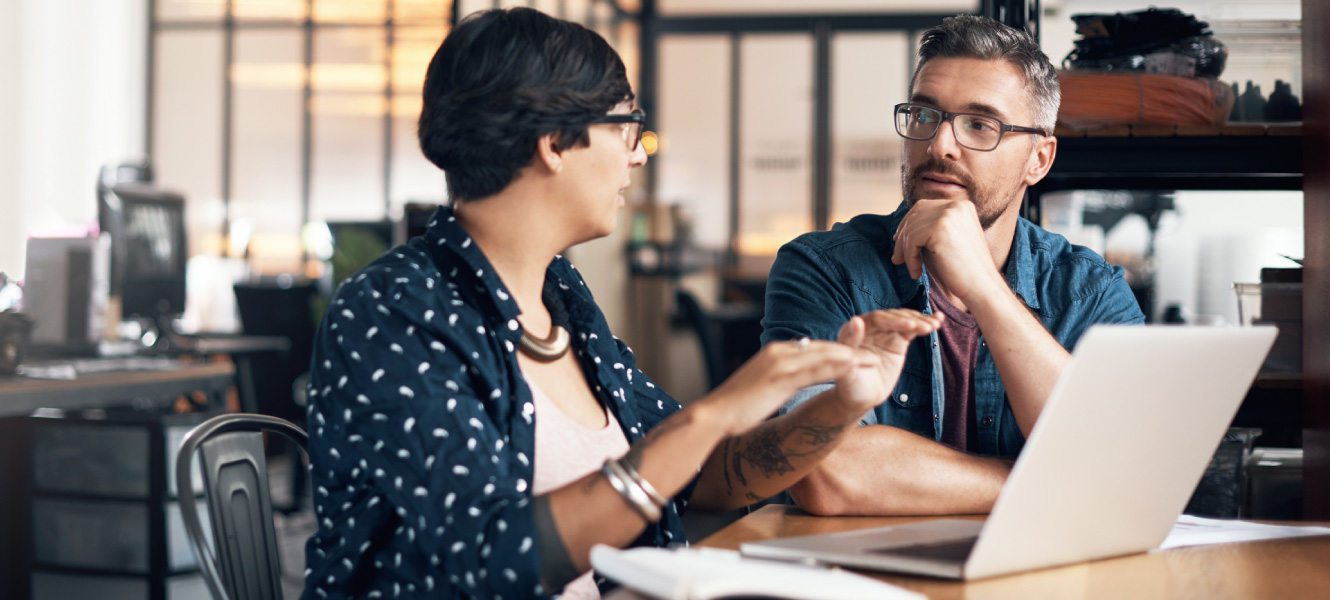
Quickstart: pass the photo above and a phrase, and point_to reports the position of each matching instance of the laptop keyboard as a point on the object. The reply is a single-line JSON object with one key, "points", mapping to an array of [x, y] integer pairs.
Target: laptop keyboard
{"points": [[956, 550]]}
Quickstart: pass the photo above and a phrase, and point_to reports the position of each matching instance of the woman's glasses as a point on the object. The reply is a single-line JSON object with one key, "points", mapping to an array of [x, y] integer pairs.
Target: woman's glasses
{"points": [[633, 123]]}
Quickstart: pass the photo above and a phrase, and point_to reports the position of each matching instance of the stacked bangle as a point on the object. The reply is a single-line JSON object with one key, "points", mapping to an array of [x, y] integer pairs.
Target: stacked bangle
{"points": [[641, 482], [635, 490]]}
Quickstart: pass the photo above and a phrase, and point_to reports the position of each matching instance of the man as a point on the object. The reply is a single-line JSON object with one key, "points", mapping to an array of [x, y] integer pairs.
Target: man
{"points": [[978, 131]]}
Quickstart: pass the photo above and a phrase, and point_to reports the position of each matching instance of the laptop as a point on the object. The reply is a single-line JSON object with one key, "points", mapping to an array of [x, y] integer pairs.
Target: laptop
{"points": [[1125, 436]]}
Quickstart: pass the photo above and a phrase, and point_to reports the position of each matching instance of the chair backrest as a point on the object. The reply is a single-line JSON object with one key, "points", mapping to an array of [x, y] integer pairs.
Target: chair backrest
{"points": [[286, 311], [692, 312], [245, 565]]}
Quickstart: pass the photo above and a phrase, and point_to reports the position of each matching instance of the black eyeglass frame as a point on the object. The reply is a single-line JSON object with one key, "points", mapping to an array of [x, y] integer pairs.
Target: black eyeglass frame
{"points": [[637, 116], [1003, 128]]}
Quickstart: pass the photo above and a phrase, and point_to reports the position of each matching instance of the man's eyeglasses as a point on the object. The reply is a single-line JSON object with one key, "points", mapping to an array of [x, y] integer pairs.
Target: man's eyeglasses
{"points": [[976, 132], [632, 126]]}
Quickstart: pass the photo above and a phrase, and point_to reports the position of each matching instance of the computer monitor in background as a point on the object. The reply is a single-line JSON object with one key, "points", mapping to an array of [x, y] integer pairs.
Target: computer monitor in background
{"points": [[356, 244], [148, 251], [416, 217]]}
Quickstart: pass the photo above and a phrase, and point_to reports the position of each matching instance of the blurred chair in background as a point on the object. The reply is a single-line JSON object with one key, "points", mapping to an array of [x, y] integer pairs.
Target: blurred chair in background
{"points": [[281, 308]]}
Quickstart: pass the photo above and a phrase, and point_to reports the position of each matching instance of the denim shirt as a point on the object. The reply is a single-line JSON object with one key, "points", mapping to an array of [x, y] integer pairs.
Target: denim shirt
{"points": [[822, 279], [422, 428]]}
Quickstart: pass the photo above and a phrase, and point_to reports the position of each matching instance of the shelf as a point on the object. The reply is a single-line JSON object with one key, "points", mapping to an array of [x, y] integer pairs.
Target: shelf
{"points": [[1237, 156], [1178, 162]]}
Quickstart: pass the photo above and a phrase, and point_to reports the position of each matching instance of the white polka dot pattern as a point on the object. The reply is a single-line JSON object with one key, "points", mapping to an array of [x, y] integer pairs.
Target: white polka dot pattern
{"points": [[421, 456]]}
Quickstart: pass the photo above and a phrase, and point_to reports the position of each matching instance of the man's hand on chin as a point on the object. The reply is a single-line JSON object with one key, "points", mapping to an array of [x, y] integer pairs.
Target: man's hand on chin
{"points": [[947, 235]]}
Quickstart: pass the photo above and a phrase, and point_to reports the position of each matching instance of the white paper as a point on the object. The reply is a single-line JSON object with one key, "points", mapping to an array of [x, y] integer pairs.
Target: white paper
{"points": [[1197, 531], [706, 574]]}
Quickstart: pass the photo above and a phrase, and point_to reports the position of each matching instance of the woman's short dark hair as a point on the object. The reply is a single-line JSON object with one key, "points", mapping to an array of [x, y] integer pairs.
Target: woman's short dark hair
{"points": [[500, 81]]}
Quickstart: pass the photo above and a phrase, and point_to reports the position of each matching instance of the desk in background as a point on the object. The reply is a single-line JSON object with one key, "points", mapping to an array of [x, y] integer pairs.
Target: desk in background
{"points": [[245, 352], [21, 395], [1284, 569], [145, 393]]}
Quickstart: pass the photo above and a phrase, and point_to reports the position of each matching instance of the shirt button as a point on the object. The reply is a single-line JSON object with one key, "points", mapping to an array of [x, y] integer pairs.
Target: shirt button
{"points": [[935, 417], [987, 421], [903, 398]]}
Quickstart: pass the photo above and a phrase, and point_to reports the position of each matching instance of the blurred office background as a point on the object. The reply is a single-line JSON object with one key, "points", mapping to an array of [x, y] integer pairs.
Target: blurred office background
{"points": [[288, 127], [276, 118]]}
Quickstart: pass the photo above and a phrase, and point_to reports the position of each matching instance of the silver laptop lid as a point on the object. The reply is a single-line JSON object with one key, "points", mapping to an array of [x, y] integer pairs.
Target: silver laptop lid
{"points": [[1120, 446]]}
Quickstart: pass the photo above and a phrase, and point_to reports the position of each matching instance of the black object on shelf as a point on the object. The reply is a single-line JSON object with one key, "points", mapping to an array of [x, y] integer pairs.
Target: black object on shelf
{"points": [[1282, 104], [15, 328], [1122, 41], [1252, 104]]}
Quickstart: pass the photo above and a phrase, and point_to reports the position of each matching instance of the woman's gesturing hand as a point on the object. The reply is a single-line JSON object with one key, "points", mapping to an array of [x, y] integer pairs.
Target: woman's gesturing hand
{"points": [[771, 377], [882, 337]]}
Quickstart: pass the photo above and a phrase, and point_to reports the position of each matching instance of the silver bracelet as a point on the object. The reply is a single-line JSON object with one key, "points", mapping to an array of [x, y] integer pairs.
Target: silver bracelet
{"points": [[632, 493], [641, 482]]}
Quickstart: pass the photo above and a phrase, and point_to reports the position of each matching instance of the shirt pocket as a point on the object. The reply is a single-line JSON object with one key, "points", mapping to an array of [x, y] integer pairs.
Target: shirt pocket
{"points": [[912, 389], [910, 406]]}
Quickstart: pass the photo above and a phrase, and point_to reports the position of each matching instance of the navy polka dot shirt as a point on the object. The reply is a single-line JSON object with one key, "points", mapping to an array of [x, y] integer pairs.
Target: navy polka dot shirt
{"points": [[422, 428]]}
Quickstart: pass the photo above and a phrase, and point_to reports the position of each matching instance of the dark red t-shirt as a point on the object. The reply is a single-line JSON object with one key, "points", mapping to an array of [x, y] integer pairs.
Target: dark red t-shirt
{"points": [[958, 343]]}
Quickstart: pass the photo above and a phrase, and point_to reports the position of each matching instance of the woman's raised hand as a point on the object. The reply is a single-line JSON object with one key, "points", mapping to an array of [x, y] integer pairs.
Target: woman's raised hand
{"points": [[883, 337], [771, 377]]}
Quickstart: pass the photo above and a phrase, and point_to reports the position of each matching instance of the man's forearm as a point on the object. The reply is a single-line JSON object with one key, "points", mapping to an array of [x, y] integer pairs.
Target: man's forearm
{"points": [[1027, 356], [882, 470]]}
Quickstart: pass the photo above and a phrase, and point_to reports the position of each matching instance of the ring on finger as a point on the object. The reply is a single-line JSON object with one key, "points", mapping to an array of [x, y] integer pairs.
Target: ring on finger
{"points": [[802, 343]]}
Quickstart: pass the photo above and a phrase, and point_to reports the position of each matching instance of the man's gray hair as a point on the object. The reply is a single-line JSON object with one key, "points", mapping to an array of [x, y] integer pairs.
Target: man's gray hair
{"points": [[969, 36]]}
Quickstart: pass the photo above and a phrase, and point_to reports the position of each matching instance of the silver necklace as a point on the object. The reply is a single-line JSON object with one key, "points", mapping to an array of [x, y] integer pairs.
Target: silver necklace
{"points": [[549, 349]]}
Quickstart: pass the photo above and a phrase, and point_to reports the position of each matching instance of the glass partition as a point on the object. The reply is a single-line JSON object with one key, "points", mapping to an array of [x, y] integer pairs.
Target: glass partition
{"points": [[739, 7], [869, 75], [693, 118], [268, 79], [775, 141]]}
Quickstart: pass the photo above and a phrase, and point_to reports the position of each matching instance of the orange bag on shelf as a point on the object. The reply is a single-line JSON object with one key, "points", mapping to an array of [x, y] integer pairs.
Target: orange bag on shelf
{"points": [[1096, 99]]}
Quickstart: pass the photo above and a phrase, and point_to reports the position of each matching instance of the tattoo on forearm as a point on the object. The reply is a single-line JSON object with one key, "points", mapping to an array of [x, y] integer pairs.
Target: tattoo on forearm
{"points": [[739, 468], [767, 448], [725, 465], [817, 436], [765, 452]]}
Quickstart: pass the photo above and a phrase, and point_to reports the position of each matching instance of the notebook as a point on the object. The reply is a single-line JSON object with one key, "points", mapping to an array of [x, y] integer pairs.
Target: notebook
{"points": [[707, 574], [1119, 447]]}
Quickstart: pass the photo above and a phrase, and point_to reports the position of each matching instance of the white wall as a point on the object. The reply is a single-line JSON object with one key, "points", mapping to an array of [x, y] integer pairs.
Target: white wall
{"points": [[11, 210], [73, 100]]}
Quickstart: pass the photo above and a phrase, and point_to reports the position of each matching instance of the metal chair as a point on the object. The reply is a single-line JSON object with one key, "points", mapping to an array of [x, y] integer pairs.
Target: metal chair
{"points": [[246, 564]]}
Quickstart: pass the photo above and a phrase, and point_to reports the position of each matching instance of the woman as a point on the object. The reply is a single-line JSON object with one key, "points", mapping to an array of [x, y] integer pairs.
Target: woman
{"points": [[475, 428]]}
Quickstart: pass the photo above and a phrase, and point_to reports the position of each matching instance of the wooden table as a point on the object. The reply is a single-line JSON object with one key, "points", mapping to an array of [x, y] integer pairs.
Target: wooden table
{"points": [[1288, 568]]}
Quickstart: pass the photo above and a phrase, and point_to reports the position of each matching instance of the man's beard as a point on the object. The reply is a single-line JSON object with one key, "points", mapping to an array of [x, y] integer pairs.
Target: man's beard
{"points": [[987, 203]]}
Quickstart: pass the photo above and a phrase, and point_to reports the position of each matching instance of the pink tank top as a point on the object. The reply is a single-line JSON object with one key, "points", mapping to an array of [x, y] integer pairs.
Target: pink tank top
{"points": [[565, 452]]}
